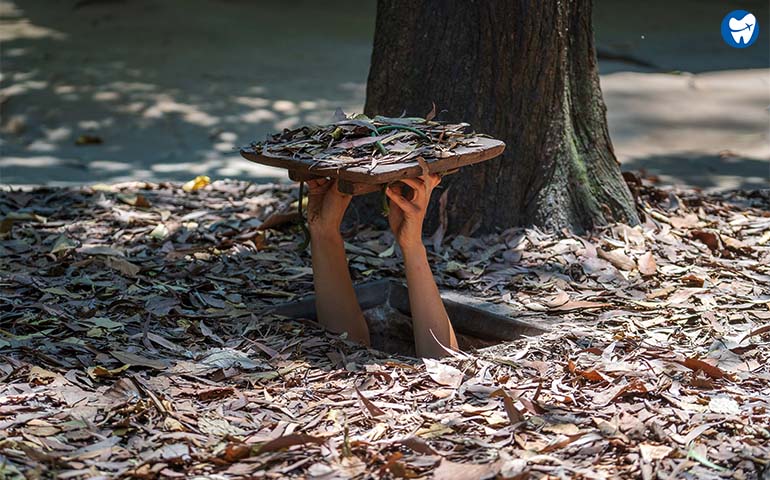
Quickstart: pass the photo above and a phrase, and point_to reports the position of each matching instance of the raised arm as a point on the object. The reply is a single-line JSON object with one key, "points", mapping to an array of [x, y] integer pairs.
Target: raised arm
{"points": [[429, 317], [336, 303]]}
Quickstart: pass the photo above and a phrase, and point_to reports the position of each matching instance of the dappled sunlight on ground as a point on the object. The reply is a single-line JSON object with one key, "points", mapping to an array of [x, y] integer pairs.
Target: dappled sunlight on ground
{"points": [[723, 171], [168, 103], [161, 109], [709, 130], [13, 26]]}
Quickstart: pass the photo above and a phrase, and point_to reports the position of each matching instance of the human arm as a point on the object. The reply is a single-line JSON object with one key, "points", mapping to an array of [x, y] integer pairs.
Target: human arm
{"points": [[336, 304], [429, 317]]}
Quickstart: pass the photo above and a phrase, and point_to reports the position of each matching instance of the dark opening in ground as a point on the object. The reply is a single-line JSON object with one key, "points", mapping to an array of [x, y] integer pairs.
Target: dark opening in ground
{"points": [[385, 303]]}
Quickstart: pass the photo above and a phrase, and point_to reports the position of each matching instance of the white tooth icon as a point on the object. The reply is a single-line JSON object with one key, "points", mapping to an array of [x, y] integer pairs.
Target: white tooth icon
{"points": [[742, 30]]}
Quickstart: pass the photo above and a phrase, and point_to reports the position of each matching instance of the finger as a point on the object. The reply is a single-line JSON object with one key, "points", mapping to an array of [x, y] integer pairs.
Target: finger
{"points": [[431, 180], [317, 182], [336, 189], [404, 190], [396, 197], [318, 185], [436, 179], [416, 183], [335, 200], [395, 216], [394, 211], [419, 187]]}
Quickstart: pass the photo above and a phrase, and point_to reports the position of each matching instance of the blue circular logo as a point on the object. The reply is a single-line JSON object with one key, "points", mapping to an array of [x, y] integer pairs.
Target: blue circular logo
{"points": [[740, 29]]}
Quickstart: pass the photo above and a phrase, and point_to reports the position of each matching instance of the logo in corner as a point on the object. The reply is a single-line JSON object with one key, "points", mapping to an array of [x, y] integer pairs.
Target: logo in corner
{"points": [[740, 29]]}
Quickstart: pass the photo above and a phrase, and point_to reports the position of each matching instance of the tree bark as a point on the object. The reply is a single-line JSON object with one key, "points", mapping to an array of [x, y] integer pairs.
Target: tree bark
{"points": [[523, 71]]}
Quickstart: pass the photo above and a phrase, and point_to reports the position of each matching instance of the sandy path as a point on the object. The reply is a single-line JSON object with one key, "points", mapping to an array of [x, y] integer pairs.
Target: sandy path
{"points": [[708, 129], [172, 94]]}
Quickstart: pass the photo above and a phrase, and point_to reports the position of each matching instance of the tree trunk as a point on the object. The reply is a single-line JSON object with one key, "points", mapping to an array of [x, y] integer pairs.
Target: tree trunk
{"points": [[523, 71]]}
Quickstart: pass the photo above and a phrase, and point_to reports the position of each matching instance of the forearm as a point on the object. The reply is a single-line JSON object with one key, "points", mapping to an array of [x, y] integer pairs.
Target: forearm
{"points": [[429, 317], [336, 304]]}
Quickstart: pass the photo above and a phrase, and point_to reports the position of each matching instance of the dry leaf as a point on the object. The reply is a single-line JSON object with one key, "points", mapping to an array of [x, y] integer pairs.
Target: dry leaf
{"points": [[514, 414], [279, 219], [137, 200], [133, 359], [373, 409], [196, 183], [417, 444], [578, 305], [711, 239], [618, 258], [236, 451], [692, 280], [651, 452], [159, 232], [465, 471], [100, 250], [123, 266], [688, 221], [647, 265], [63, 243], [432, 114], [443, 374], [562, 428], [557, 300], [591, 375], [567, 440], [287, 441], [616, 391], [697, 364], [724, 404]]}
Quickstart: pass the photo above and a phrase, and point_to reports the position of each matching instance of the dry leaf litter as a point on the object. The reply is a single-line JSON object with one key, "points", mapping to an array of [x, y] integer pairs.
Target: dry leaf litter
{"points": [[136, 342]]}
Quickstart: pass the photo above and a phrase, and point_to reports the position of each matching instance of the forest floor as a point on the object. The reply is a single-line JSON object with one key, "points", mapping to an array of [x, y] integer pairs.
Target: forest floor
{"points": [[136, 341]]}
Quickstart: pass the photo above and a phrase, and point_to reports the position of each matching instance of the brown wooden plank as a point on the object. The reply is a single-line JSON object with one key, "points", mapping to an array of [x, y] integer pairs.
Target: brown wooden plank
{"points": [[357, 188], [301, 176], [488, 148], [351, 188]]}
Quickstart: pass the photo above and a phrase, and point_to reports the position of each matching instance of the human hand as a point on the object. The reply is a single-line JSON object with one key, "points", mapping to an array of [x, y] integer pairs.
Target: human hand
{"points": [[326, 206], [406, 215]]}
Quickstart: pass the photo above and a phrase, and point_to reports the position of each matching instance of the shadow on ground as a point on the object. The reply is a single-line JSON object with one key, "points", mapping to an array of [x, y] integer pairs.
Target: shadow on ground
{"points": [[705, 171], [169, 95], [172, 88]]}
